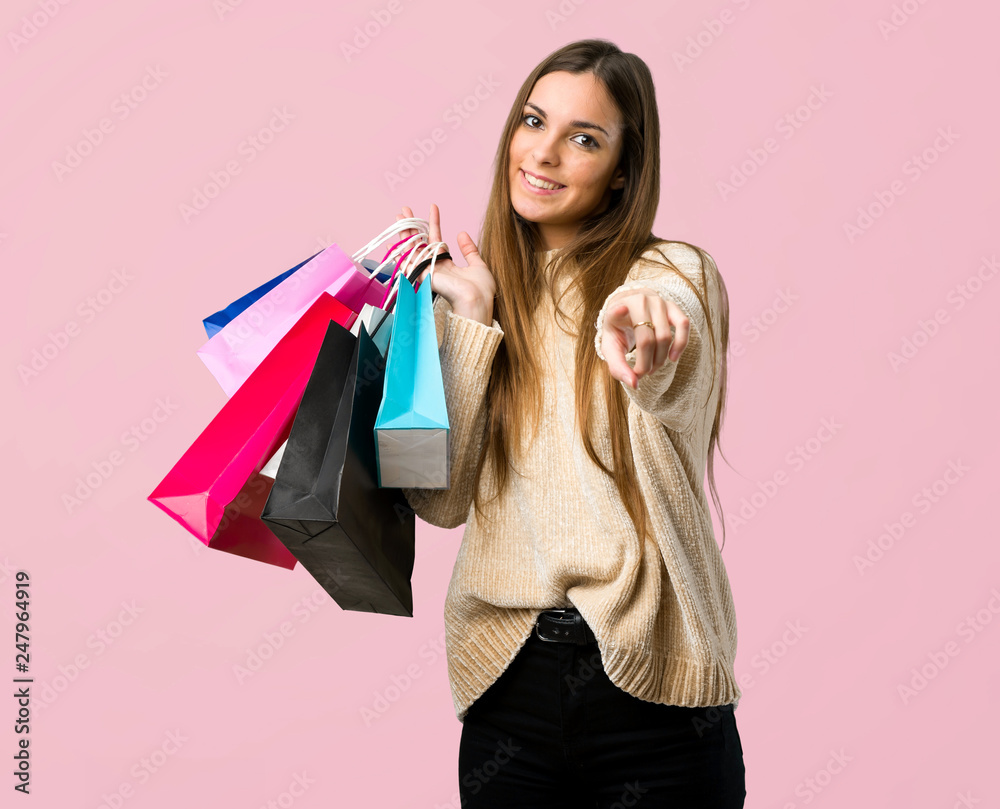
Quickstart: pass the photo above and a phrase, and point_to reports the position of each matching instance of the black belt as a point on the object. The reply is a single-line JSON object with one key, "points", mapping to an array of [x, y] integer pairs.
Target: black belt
{"points": [[564, 625]]}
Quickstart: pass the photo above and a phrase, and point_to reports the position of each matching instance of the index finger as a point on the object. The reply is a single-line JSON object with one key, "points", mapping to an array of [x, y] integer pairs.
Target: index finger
{"points": [[614, 348]]}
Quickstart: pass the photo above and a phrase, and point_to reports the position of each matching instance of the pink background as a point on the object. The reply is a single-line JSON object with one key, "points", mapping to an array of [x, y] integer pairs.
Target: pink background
{"points": [[830, 442]]}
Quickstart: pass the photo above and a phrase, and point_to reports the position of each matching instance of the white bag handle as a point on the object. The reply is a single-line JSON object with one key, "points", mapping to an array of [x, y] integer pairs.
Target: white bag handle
{"points": [[390, 298], [399, 249], [410, 262], [421, 225], [391, 260]]}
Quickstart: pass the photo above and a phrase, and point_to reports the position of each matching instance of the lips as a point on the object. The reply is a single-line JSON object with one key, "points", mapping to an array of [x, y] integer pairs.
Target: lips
{"points": [[543, 178]]}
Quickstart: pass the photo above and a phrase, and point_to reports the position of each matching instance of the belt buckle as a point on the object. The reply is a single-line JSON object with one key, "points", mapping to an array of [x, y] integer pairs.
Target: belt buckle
{"points": [[572, 627], [542, 637]]}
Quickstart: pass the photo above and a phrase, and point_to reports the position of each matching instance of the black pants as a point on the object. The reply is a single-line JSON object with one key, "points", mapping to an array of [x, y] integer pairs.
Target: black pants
{"points": [[553, 731]]}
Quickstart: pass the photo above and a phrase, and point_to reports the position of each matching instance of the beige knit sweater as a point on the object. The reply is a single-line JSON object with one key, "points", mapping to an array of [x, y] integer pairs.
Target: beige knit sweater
{"points": [[662, 611]]}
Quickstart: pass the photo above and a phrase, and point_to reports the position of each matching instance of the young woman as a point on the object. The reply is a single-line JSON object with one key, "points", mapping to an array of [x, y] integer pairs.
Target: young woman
{"points": [[589, 621]]}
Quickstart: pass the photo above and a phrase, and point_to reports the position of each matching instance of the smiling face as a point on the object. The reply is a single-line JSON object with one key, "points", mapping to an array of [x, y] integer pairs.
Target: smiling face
{"points": [[570, 134]]}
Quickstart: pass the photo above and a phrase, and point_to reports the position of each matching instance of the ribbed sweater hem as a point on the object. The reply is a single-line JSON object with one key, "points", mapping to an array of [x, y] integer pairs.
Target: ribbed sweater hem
{"points": [[658, 677]]}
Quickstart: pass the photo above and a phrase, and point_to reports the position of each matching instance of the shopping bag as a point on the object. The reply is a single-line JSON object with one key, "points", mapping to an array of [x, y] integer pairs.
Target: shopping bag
{"points": [[379, 323], [216, 490], [411, 429], [238, 348], [215, 322], [355, 538]]}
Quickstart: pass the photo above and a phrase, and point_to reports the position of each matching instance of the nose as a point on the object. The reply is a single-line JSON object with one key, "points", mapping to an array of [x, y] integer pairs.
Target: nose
{"points": [[546, 151]]}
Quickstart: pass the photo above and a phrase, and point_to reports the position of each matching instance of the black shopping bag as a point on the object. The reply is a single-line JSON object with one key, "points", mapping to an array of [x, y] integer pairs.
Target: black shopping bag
{"points": [[354, 538]]}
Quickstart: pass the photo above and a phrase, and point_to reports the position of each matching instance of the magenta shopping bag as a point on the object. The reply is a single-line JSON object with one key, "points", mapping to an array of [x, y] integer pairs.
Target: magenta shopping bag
{"points": [[216, 490]]}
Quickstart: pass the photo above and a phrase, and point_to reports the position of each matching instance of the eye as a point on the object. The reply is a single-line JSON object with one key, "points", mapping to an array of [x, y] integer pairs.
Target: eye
{"points": [[591, 144]]}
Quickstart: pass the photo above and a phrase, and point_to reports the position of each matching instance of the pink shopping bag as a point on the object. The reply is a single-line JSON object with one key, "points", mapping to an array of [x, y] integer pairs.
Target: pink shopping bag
{"points": [[216, 490], [241, 345]]}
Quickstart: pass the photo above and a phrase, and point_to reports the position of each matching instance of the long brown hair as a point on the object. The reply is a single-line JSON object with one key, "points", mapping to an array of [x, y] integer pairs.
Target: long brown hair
{"points": [[606, 247]]}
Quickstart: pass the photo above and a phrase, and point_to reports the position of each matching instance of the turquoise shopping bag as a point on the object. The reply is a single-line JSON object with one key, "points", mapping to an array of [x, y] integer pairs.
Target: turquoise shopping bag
{"points": [[411, 429]]}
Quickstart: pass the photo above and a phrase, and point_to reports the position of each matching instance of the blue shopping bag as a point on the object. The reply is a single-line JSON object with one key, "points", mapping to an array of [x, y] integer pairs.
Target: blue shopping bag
{"points": [[411, 429], [214, 323]]}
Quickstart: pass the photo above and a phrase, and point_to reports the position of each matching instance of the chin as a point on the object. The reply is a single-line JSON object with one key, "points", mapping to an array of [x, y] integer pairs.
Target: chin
{"points": [[520, 211]]}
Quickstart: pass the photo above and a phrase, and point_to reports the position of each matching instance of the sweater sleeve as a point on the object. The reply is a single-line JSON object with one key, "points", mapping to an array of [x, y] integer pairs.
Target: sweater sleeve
{"points": [[675, 391], [467, 348]]}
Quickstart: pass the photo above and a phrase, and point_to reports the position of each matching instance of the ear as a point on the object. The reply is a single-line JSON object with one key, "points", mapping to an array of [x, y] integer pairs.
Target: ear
{"points": [[617, 179]]}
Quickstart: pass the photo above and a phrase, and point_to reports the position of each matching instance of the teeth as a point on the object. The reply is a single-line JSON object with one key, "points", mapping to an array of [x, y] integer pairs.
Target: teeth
{"points": [[540, 184]]}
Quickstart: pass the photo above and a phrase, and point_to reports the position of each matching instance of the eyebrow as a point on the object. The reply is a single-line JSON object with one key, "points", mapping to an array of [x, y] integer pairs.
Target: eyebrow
{"points": [[574, 124]]}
